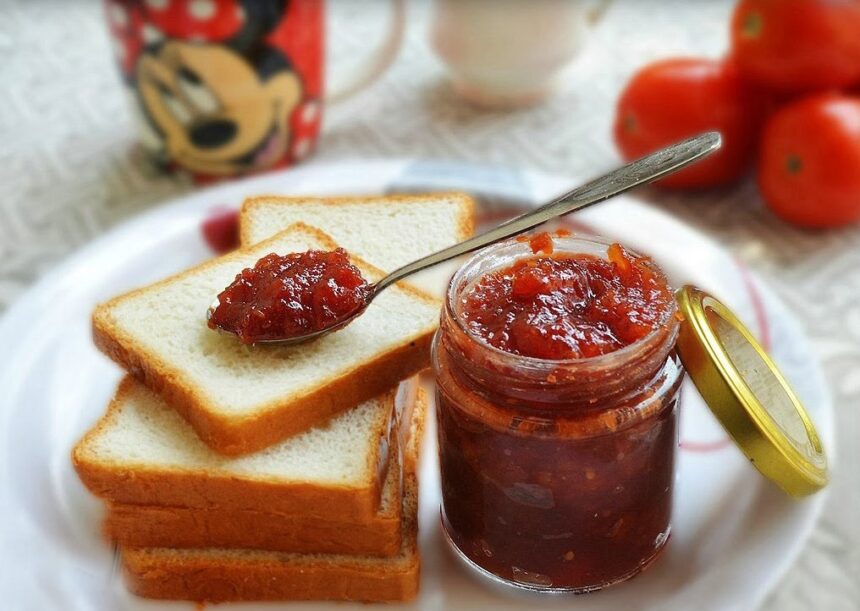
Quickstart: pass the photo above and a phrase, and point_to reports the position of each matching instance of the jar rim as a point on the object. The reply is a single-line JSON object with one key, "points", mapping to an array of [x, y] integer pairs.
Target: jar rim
{"points": [[561, 243]]}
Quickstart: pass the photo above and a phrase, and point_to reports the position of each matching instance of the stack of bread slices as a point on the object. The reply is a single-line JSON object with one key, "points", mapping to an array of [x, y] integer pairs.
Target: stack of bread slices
{"points": [[270, 472]]}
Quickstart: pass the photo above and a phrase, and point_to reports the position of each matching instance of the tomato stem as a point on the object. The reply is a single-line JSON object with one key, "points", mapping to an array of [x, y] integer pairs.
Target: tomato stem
{"points": [[629, 124], [752, 25], [794, 164]]}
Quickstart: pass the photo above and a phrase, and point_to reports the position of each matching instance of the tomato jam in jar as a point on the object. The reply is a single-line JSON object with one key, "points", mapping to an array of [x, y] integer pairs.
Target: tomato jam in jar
{"points": [[557, 393]]}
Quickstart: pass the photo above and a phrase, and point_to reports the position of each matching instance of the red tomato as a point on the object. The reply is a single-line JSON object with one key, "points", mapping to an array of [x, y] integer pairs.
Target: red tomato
{"points": [[798, 45], [677, 98], [809, 170]]}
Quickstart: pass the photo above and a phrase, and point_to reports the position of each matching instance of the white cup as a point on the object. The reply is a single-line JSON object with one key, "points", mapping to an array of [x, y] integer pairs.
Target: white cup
{"points": [[509, 53]]}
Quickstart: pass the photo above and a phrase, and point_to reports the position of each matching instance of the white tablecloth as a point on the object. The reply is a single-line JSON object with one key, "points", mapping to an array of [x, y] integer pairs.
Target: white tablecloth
{"points": [[68, 172]]}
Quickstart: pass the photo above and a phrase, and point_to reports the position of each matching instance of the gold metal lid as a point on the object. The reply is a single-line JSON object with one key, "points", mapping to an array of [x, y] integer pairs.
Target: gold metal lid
{"points": [[749, 396]]}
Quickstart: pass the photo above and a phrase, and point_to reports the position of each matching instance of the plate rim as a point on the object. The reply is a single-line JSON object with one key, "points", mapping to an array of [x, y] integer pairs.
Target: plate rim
{"points": [[185, 203]]}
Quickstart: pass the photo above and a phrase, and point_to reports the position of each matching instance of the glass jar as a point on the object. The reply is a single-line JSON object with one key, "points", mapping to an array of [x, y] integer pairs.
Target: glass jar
{"points": [[557, 475]]}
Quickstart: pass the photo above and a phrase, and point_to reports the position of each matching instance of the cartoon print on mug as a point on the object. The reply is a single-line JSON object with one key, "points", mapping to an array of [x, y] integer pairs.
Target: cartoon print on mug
{"points": [[214, 96]]}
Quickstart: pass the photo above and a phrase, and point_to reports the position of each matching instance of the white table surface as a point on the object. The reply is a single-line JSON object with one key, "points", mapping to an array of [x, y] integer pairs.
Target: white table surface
{"points": [[69, 171]]}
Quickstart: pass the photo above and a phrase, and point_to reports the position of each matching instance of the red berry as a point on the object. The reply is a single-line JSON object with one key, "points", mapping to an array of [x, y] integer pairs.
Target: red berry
{"points": [[221, 230]]}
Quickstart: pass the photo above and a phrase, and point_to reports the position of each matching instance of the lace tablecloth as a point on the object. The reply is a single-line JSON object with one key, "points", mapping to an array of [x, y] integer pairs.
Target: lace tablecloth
{"points": [[68, 172]]}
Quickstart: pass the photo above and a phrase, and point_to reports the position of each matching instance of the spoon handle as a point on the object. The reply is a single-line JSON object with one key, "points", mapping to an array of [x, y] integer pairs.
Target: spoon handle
{"points": [[639, 172]]}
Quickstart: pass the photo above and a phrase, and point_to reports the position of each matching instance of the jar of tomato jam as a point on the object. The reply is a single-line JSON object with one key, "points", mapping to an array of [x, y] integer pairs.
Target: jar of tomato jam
{"points": [[557, 403]]}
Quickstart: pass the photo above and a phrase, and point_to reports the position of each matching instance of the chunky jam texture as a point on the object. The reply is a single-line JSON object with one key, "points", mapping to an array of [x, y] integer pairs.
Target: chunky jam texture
{"points": [[553, 509], [567, 306], [286, 296]]}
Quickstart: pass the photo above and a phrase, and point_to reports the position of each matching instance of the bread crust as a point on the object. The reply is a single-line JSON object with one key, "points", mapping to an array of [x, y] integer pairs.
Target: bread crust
{"points": [[220, 579], [275, 421], [197, 488], [184, 527], [216, 576], [465, 221]]}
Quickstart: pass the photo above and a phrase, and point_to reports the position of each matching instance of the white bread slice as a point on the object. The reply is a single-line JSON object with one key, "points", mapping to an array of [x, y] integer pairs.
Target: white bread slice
{"points": [[142, 452], [169, 526], [386, 231], [220, 575], [217, 575], [240, 399], [178, 527]]}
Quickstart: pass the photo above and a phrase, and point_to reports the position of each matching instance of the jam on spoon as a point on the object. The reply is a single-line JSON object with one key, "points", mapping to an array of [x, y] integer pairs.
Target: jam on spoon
{"points": [[286, 296]]}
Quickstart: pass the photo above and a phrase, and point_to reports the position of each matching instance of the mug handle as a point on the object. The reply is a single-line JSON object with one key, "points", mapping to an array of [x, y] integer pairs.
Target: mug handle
{"points": [[597, 12], [380, 61]]}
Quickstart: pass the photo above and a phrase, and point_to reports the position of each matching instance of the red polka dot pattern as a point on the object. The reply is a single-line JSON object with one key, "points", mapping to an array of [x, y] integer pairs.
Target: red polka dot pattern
{"points": [[197, 20], [304, 126], [125, 24]]}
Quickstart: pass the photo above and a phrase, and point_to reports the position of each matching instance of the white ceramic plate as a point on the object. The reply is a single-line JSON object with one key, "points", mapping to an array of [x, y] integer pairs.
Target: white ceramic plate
{"points": [[734, 534]]}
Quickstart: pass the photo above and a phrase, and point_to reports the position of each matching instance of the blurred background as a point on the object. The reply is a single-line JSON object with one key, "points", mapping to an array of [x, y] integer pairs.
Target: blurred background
{"points": [[72, 166]]}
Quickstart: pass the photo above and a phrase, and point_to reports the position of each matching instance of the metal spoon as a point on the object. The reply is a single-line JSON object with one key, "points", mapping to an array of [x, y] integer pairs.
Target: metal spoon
{"points": [[642, 171]]}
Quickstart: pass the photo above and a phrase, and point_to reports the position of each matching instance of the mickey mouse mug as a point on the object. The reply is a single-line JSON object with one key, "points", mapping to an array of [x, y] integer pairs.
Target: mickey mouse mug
{"points": [[224, 88]]}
